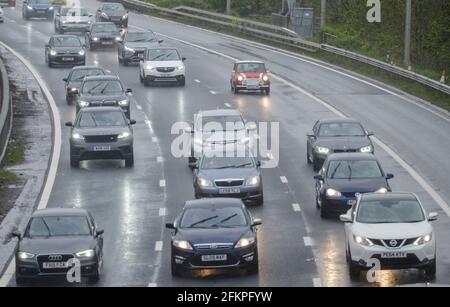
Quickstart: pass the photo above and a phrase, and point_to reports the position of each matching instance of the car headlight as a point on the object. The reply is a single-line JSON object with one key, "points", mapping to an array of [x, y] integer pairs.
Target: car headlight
{"points": [[182, 244], [240, 78], [25, 255], [333, 193], [51, 8], [83, 103], [95, 39], [362, 241], [204, 182], [64, 21], [53, 52], [381, 190], [322, 150], [86, 254], [77, 136], [129, 49], [125, 16], [424, 239], [366, 149], [181, 67], [265, 78], [29, 7], [89, 21], [149, 67], [244, 242], [104, 15], [123, 135], [123, 103], [253, 181], [81, 52], [73, 89], [118, 38]]}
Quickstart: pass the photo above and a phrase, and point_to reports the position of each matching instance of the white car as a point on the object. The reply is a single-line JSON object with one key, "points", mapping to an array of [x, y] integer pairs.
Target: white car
{"points": [[162, 65], [393, 228], [1, 15]]}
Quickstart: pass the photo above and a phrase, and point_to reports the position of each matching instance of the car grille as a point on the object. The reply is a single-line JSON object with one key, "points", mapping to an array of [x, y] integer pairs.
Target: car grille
{"points": [[107, 39], [348, 194], [229, 183], [103, 103], [345, 150], [100, 138], [165, 69], [213, 246], [400, 242], [59, 258], [67, 54]]}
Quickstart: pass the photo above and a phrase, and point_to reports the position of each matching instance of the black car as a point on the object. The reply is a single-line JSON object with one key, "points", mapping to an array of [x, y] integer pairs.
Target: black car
{"points": [[102, 34], [55, 236], [214, 233], [343, 176], [76, 76], [65, 50], [229, 175], [98, 91], [112, 12], [336, 136]]}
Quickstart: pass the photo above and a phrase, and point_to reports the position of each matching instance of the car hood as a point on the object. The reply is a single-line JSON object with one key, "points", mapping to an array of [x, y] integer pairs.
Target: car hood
{"points": [[228, 173], [343, 143], [40, 5], [141, 45], [75, 18], [357, 185], [164, 63], [392, 231], [67, 49], [108, 34], [220, 137], [57, 245], [252, 74], [115, 13], [89, 98], [101, 130], [219, 235]]}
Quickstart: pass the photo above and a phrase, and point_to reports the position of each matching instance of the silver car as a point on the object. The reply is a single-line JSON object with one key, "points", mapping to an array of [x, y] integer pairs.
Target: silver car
{"points": [[72, 19], [132, 47], [101, 133]]}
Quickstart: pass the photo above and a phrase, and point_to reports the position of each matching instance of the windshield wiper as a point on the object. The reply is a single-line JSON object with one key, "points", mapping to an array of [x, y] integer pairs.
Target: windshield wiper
{"points": [[95, 87], [225, 219], [242, 165], [46, 226], [159, 57], [203, 221], [335, 170], [349, 172]]}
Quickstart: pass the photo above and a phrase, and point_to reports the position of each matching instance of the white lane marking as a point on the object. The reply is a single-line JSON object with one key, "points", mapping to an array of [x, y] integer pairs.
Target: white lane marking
{"points": [[56, 151], [8, 274], [197, 81], [317, 282], [296, 207], [139, 107], [227, 105], [213, 93], [308, 241], [158, 246], [154, 139], [283, 179], [162, 183], [162, 212], [152, 285], [270, 156], [159, 159]]}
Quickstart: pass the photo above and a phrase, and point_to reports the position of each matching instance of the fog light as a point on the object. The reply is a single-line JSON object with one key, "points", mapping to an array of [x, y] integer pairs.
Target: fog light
{"points": [[250, 258]]}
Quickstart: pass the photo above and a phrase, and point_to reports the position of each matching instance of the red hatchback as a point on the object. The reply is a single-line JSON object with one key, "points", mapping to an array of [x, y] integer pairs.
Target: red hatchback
{"points": [[250, 76]]}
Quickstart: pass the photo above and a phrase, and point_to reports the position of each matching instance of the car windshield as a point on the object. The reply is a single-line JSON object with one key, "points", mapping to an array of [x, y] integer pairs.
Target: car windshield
{"points": [[113, 7], [390, 211], [341, 129], [104, 28], [251, 67], [163, 55], [66, 41], [226, 162], [40, 2], [353, 169], [72, 12], [226, 217], [140, 37], [101, 119], [54, 226], [220, 123], [80, 74], [109, 87]]}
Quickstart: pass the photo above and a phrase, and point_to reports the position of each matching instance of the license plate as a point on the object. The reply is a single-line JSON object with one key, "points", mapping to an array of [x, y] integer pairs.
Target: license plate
{"points": [[102, 148], [41, 11], [390, 255], [351, 202], [67, 59], [209, 258], [107, 43], [55, 265], [229, 191]]}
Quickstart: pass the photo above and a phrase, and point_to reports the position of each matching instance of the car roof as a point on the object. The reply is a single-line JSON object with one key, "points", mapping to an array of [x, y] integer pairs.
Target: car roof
{"points": [[87, 67], [102, 78], [60, 212], [219, 112], [339, 120], [353, 156], [100, 109], [217, 202], [389, 196]]}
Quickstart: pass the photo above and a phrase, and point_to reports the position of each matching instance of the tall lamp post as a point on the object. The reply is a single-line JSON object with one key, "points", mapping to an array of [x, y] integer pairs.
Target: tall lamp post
{"points": [[407, 56], [323, 12], [228, 9]]}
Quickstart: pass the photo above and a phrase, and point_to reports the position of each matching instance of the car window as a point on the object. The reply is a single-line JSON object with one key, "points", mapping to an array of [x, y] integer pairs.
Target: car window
{"points": [[104, 28], [113, 7], [227, 123], [64, 41], [90, 119], [162, 55], [353, 169], [72, 12], [59, 226], [140, 37], [213, 217], [341, 129], [226, 162], [80, 74], [251, 67], [96, 87], [390, 211]]}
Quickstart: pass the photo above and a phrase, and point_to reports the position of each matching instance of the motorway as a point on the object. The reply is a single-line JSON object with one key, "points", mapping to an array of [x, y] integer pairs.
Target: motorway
{"points": [[297, 248]]}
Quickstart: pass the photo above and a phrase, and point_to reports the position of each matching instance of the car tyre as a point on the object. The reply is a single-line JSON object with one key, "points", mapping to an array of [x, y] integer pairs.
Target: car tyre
{"points": [[308, 158], [182, 82], [94, 278], [75, 163], [323, 213], [267, 91], [260, 201], [235, 90], [254, 268], [430, 270], [129, 162], [316, 165], [353, 269], [23, 281], [175, 270]]}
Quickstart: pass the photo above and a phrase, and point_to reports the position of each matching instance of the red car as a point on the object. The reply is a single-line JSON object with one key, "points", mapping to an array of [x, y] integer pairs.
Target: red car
{"points": [[250, 76]]}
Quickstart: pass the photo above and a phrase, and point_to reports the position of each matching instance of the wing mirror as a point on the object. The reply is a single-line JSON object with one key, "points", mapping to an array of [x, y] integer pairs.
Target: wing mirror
{"points": [[318, 177], [433, 216], [251, 126], [16, 234], [160, 41], [99, 232], [183, 59], [170, 226], [346, 218], [310, 134], [69, 124], [370, 133], [256, 222], [389, 176], [65, 79]]}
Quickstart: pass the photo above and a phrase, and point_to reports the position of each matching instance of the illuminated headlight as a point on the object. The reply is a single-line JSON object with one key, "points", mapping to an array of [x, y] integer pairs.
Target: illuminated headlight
{"points": [[123, 103], [53, 52], [182, 244], [29, 7], [149, 67], [123, 135], [77, 136], [104, 15], [129, 49], [180, 67], [83, 104], [244, 242], [424, 239], [125, 16], [95, 39], [381, 190], [73, 89], [51, 8], [245, 140], [81, 52], [322, 150], [363, 241], [25, 256], [240, 78], [204, 183], [366, 149], [64, 21], [89, 22], [118, 38], [333, 193], [265, 78], [86, 254], [253, 181]]}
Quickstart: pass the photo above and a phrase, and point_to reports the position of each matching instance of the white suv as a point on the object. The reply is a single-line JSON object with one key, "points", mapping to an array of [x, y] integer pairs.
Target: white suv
{"points": [[391, 228], [162, 65]]}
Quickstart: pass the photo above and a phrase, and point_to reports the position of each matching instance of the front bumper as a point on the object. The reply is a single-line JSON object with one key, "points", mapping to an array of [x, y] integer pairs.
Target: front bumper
{"points": [[32, 269], [80, 150], [73, 27], [157, 77], [246, 193], [67, 59], [44, 13], [339, 205], [253, 88]]}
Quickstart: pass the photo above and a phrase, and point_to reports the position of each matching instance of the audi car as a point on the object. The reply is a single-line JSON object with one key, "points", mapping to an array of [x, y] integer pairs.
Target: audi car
{"points": [[337, 135], [112, 12], [99, 91], [393, 229], [76, 76], [72, 19], [343, 176], [101, 133], [65, 50], [162, 65], [132, 47], [102, 34], [250, 76], [229, 174], [52, 242], [216, 233], [37, 9]]}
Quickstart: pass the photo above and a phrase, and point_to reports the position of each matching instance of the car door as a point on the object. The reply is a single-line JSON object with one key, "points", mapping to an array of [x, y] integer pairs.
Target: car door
{"points": [[233, 73], [94, 231], [311, 138], [47, 48], [321, 183], [121, 45]]}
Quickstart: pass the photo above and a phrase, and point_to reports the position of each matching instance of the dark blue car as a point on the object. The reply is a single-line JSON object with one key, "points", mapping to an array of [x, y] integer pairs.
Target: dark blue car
{"points": [[214, 233], [344, 175], [38, 9]]}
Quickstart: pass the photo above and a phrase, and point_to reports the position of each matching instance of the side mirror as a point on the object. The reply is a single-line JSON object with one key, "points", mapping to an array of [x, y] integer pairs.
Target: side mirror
{"points": [[256, 222], [310, 134], [258, 163], [65, 79], [90, 15], [346, 218], [87, 32], [99, 232], [183, 59], [84, 46], [433, 216], [195, 166], [69, 124], [389, 176], [132, 122], [188, 130], [251, 126], [129, 91], [160, 41], [16, 234], [267, 71], [370, 133], [170, 226], [318, 177], [57, 14]]}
